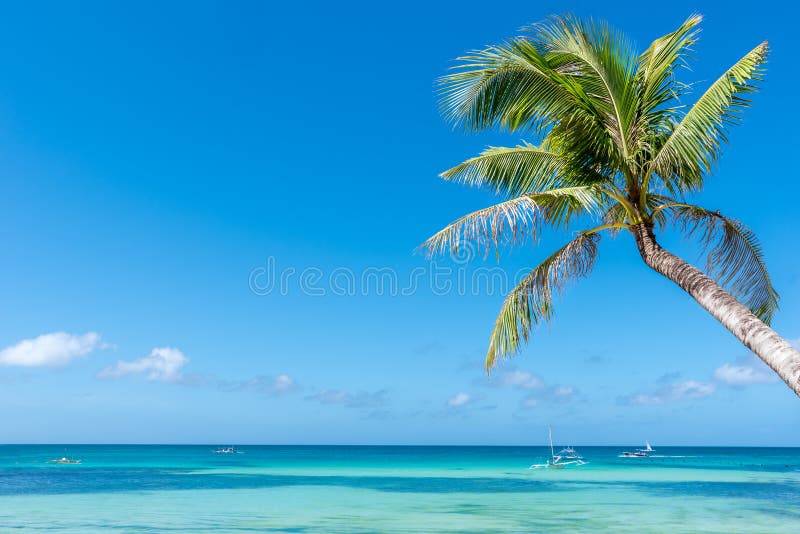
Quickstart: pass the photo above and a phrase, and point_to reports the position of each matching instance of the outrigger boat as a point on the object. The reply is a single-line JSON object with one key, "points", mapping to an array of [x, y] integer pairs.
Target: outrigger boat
{"points": [[639, 453], [226, 450], [566, 457], [64, 460]]}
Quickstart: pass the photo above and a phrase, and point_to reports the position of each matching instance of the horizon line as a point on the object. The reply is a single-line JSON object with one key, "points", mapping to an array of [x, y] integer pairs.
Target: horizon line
{"points": [[230, 444]]}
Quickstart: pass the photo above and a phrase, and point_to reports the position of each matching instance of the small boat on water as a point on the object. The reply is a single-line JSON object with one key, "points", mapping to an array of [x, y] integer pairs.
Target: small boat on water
{"points": [[64, 460], [226, 450], [639, 453], [566, 457]]}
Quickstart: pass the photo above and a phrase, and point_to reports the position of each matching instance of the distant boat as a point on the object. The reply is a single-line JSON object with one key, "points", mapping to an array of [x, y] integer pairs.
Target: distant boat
{"points": [[565, 457], [64, 460], [639, 453], [226, 450]]}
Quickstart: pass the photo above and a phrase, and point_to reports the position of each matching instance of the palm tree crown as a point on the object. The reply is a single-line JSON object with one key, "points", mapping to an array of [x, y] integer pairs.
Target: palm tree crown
{"points": [[613, 143]]}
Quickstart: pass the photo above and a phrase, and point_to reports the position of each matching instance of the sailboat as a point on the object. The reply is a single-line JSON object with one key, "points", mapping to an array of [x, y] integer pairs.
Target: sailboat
{"points": [[639, 453], [565, 457]]}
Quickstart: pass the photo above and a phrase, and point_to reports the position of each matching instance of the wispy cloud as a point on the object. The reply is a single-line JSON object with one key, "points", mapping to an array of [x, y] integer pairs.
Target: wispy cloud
{"points": [[48, 350], [670, 378], [380, 415], [282, 384], [552, 394], [677, 391], [163, 364], [425, 349], [460, 399], [519, 379], [744, 371], [537, 390], [471, 365], [596, 359], [360, 399], [462, 404]]}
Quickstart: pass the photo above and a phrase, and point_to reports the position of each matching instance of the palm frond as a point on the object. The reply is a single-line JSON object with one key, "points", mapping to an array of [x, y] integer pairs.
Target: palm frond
{"points": [[602, 62], [513, 221], [531, 302], [511, 171], [509, 85], [694, 143], [734, 257], [656, 66]]}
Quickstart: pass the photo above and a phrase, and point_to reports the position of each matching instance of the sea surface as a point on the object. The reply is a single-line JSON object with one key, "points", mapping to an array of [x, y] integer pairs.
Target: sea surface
{"points": [[134, 488]]}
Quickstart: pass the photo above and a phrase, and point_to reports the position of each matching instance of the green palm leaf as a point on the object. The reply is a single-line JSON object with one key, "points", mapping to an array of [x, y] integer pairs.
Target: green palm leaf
{"points": [[531, 302], [510, 171], [694, 143], [509, 85], [656, 66], [601, 61], [514, 221]]}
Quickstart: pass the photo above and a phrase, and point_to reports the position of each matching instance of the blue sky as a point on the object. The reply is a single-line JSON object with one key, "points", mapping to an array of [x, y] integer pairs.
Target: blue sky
{"points": [[156, 160]]}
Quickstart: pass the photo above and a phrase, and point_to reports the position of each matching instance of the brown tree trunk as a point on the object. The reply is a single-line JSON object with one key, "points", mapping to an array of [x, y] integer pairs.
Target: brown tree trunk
{"points": [[737, 318]]}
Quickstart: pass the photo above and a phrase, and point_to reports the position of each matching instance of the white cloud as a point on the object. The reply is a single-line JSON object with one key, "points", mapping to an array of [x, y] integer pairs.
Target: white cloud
{"points": [[162, 364], [459, 399], [266, 385], [537, 390], [688, 389], [331, 396], [283, 384], [552, 394], [58, 348], [563, 391], [745, 371], [692, 389], [520, 379]]}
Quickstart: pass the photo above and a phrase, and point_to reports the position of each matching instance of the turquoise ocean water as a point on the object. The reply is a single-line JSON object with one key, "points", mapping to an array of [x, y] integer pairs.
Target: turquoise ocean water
{"points": [[137, 488]]}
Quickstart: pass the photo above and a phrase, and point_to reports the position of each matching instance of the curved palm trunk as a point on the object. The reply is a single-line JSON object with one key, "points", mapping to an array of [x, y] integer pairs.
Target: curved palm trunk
{"points": [[757, 336]]}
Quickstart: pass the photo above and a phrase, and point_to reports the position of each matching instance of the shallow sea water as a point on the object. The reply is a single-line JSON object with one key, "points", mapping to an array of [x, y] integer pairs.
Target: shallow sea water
{"points": [[396, 489]]}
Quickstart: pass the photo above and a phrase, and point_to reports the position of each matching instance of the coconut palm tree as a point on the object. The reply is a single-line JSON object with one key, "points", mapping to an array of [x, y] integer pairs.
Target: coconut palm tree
{"points": [[613, 145]]}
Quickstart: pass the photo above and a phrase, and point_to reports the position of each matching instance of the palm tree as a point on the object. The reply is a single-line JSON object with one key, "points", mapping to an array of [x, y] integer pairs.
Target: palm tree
{"points": [[614, 146]]}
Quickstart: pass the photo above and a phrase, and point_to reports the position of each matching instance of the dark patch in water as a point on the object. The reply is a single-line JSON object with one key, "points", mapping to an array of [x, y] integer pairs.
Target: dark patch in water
{"points": [[57, 481], [785, 492], [95, 480]]}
